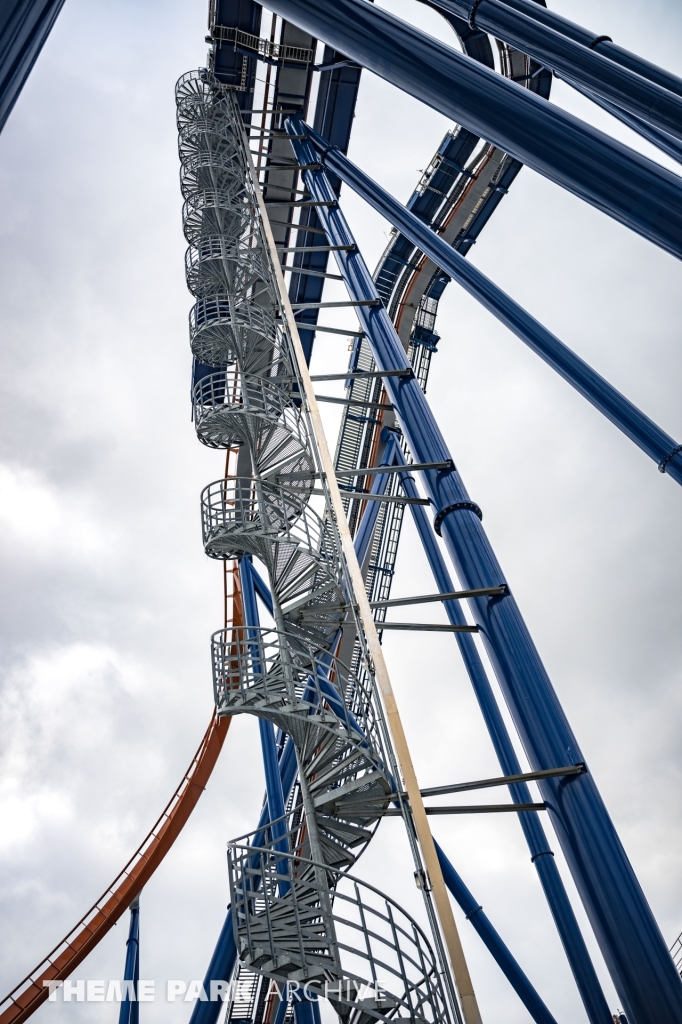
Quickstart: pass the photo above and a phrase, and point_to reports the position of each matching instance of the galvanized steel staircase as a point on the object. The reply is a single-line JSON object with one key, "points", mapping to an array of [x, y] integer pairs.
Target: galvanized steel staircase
{"points": [[297, 915]]}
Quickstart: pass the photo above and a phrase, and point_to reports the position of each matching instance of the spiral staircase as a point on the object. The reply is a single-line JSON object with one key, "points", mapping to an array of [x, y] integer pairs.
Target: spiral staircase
{"points": [[298, 915]]}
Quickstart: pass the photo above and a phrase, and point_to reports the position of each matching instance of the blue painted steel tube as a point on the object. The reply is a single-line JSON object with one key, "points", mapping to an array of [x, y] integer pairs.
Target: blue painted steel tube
{"points": [[261, 587], [636, 955], [221, 968], [476, 915], [363, 537], [130, 1007], [487, 932], [483, 926], [646, 434], [24, 28], [571, 59], [306, 1011], [595, 41], [666, 143], [586, 979], [273, 782], [224, 958], [629, 187]]}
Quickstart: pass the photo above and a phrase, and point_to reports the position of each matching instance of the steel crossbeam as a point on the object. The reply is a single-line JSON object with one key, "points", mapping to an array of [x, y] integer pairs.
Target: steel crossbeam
{"points": [[619, 913], [478, 809], [542, 857], [454, 595], [518, 26], [646, 434], [634, 190], [427, 627], [266, 514]]}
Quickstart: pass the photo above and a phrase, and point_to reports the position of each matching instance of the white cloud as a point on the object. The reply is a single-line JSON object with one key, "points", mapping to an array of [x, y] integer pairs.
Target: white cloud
{"points": [[43, 519]]}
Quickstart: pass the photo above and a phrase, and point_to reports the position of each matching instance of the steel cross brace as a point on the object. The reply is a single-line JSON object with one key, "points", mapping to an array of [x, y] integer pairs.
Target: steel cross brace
{"points": [[619, 913], [569, 58], [634, 190], [646, 434], [542, 857], [491, 938]]}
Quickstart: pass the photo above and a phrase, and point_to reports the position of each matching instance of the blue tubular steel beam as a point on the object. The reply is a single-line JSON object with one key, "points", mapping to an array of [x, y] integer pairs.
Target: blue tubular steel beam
{"points": [[261, 587], [130, 1007], [627, 186], [24, 27], [363, 537], [666, 143], [589, 43], [306, 1009], [483, 926], [475, 914], [224, 958], [636, 955], [542, 857], [492, 940], [220, 968], [658, 445], [599, 43], [571, 59], [273, 781]]}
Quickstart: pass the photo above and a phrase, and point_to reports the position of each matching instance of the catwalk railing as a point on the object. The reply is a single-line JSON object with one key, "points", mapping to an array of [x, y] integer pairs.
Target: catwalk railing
{"points": [[288, 676], [617, 908], [340, 937]]}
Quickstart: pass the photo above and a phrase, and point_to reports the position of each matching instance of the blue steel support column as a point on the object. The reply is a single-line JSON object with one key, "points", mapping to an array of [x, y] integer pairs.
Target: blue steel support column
{"points": [[634, 950], [662, 140], [363, 537], [304, 1009], [542, 857], [646, 434], [571, 59], [273, 782], [479, 920], [493, 941], [130, 1008], [598, 42], [617, 180], [24, 27], [224, 958]]}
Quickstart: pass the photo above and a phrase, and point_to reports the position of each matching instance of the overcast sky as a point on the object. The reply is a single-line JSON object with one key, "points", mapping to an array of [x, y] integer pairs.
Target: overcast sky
{"points": [[108, 601]]}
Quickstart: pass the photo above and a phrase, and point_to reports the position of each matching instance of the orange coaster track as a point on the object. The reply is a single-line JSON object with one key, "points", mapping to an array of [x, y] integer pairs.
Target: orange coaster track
{"points": [[30, 993]]}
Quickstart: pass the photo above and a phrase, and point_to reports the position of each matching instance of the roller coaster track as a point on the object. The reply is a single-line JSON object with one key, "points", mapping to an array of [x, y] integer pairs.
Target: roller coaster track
{"points": [[296, 912], [278, 440], [459, 190], [30, 993], [289, 676]]}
